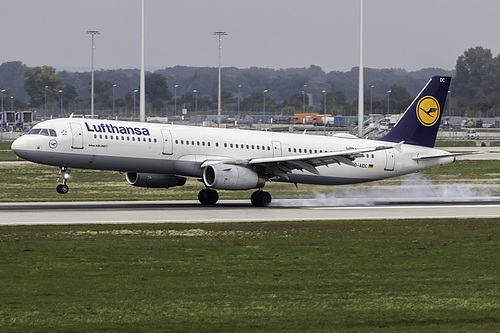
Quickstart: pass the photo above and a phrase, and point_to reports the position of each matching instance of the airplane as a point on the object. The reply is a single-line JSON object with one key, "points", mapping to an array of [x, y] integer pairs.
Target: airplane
{"points": [[163, 156]]}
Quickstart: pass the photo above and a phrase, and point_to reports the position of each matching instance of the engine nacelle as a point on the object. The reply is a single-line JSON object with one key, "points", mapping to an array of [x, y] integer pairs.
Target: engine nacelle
{"points": [[231, 177], [154, 180]]}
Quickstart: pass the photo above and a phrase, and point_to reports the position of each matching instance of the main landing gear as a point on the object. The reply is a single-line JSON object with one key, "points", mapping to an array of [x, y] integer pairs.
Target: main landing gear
{"points": [[259, 198], [63, 188], [208, 196]]}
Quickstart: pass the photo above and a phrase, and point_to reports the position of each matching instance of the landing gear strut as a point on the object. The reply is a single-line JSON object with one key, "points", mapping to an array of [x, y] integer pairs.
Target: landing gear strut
{"points": [[208, 196], [260, 198], [63, 188]]}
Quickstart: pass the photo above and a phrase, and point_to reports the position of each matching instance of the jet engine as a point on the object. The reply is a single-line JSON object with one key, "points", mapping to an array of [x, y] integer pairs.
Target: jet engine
{"points": [[154, 180], [231, 177]]}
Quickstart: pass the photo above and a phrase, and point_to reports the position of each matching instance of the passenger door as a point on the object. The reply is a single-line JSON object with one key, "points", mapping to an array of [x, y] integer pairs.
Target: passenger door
{"points": [[167, 142], [77, 136]]}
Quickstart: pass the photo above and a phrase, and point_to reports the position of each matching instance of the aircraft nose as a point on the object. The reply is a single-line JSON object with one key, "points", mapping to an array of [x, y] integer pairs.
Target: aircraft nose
{"points": [[20, 146]]}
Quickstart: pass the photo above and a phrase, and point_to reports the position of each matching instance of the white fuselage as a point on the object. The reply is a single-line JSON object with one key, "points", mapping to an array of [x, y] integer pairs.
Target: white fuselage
{"points": [[181, 150]]}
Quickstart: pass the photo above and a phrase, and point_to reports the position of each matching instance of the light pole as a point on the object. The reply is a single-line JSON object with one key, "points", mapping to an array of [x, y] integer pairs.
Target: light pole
{"points": [[114, 86], [195, 92], [449, 118], [388, 94], [61, 98], [175, 99], [304, 99], [92, 33], [324, 112], [45, 95], [12, 102], [220, 34], [371, 99], [135, 93], [3, 92], [239, 88], [265, 92]]}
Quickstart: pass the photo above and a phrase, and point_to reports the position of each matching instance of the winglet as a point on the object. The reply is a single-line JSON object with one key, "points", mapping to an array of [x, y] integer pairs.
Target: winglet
{"points": [[420, 123]]}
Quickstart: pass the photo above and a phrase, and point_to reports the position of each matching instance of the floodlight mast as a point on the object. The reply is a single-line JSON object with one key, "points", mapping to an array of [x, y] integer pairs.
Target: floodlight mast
{"points": [[142, 83], [92, 33], [361, 94], [220, 34]]}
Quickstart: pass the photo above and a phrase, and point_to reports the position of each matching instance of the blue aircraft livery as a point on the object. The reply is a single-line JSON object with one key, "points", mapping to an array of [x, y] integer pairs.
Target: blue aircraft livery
{"points": [[112, 129]]}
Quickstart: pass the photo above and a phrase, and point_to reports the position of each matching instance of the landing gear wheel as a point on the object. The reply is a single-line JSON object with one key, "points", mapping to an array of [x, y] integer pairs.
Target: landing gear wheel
{"points": [[208, 196], [260, 199], [62, 189]]}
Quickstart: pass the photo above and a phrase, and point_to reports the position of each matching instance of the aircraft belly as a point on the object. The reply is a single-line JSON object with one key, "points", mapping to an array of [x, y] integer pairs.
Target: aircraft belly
{"points": [[323, 180]]}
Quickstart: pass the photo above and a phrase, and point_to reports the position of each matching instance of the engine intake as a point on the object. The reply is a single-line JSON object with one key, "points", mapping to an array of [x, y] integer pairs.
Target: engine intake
{"points": [[153, 180], [231, 177]]}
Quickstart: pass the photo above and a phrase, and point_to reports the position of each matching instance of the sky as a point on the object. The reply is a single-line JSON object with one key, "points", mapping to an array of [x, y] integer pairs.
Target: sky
{"points": [[407, 34]]}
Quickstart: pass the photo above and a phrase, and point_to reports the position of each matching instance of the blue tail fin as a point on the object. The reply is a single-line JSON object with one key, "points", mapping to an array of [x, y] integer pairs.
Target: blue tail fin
{"points": [[420, 123]]}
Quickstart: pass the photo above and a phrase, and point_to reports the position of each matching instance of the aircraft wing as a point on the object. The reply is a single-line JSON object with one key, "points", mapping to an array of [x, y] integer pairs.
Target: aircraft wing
{"points": [[280, 166]]}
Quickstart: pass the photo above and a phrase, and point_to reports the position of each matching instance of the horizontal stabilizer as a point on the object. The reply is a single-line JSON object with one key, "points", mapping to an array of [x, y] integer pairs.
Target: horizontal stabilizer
{"points": [[417, 158]]}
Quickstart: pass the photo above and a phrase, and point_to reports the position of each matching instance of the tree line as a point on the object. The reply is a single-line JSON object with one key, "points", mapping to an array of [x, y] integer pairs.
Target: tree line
{"points": [[475, 89]]}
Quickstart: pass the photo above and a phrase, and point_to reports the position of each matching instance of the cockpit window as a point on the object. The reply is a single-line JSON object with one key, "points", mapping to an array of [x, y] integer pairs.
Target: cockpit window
{"points": [[43, 131], [34, 131]]}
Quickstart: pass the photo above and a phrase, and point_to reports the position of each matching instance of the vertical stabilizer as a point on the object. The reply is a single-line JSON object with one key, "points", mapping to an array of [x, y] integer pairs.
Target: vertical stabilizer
{"points": [[420, 122]]}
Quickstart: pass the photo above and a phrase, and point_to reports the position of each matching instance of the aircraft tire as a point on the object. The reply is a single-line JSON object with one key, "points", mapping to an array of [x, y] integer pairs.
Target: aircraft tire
{"points": [[62, 189], [261, 199], [208, 196]]}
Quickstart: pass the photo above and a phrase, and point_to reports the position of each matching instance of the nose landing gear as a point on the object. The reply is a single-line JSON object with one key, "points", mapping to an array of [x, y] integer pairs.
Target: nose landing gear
{"points": [[63, 188]]}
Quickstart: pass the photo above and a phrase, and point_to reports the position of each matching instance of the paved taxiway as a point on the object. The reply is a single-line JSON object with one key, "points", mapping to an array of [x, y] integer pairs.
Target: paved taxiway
{"points": [[234, 211]]}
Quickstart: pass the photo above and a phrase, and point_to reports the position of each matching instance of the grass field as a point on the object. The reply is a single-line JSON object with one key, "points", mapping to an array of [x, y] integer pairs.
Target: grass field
{"points": [[384, 276]]}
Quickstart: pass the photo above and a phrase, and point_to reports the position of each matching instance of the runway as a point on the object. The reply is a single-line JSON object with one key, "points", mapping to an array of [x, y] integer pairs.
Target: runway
{"points": [[238, 211]]}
